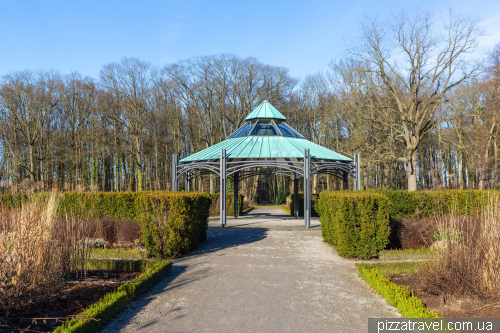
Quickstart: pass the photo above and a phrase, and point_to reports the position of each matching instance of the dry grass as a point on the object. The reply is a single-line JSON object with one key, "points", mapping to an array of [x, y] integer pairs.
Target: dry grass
{"points": [[469, 258], [38, 250]]}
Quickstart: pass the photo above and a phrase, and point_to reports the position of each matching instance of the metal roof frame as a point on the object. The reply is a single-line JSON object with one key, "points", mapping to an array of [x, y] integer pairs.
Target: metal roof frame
{"points": [[237, 165]]}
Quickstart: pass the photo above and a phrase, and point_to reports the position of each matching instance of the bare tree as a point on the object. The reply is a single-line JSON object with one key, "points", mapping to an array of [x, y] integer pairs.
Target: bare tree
{"points": [[28, 100], [130, 82], [418, 66]]}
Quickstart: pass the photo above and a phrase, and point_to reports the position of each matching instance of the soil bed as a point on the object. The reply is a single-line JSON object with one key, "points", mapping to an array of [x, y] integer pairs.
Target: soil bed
{"points": [[446, 306], [74, 297]]}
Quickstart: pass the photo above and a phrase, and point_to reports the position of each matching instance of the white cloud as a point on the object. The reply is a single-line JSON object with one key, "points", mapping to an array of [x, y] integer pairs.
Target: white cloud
{"points": [[491, 27]]}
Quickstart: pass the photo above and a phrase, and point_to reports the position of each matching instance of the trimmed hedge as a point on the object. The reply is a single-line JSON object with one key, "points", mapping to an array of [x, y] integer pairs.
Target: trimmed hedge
{"points": [[421, 204], [122, 205], [171, 223], [356, 224], [400, 297], [100, 313], [115, 205], [314, 202], [215, 207], [126, 266], [175, 223]]}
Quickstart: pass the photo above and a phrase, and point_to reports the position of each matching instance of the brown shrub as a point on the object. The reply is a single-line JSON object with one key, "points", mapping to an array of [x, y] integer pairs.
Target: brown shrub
{"points": [[469, 259], [37, 250], [127, 231], [106, 229], [118, 233], [410, 233]]}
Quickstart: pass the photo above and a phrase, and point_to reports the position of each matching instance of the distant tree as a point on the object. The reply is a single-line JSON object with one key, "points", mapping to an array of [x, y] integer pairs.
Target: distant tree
{"points": [[130, 82], [27, 103], [418, 65]]}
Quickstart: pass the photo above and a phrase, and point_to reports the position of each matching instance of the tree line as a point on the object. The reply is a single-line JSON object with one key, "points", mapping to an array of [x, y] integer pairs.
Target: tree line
{"points": [[410, 96]]}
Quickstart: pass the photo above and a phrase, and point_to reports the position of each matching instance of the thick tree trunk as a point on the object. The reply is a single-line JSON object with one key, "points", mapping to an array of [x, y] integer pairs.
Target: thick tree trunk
{"points": [[412, 173]]}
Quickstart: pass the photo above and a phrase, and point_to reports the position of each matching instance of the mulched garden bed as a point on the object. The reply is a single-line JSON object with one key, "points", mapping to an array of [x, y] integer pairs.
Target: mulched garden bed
{"points": [[74, 297], [446, 306]]}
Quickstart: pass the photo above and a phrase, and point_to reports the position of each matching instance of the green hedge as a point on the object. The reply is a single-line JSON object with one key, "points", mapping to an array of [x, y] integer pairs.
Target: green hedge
{"points": [[314, 202], [400, 297], [215, 206], [171, 223], [421, 204], [100, 313], [356, 224], [116, 205], [175, 223], [127, 266]]}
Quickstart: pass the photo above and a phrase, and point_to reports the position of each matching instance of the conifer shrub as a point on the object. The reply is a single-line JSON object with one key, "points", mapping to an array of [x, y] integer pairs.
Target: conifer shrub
{"points": [[173, 224], [215, 206], [314, 202], [356, 224], [99, 314], [400, 297], [423, 204]]}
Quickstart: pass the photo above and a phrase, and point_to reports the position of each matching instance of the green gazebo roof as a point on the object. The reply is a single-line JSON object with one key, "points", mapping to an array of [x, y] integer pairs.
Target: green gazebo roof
{"points": [[265, 111], [265, 139], [265, 147]]}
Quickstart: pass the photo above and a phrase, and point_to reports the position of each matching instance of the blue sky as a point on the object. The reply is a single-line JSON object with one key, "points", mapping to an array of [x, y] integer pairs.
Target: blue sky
{"points": [[303, 36]]}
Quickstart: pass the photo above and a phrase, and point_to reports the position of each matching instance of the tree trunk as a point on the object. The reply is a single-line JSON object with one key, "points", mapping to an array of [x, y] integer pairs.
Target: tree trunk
{"points": [[32, 164], [387, 175], [412, 173]]}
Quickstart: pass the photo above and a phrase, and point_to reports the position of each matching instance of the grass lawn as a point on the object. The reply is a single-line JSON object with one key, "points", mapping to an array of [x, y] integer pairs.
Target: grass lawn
{"points": [[285, 209], [118, 254], [409, 254], [391, 268]]}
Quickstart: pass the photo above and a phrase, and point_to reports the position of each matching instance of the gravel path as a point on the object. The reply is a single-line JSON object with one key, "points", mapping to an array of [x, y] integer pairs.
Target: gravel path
{"points": [[257, 280]]}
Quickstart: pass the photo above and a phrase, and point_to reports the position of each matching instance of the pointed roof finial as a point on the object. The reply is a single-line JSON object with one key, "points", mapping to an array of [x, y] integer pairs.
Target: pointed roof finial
{"points": [[265, 111]]}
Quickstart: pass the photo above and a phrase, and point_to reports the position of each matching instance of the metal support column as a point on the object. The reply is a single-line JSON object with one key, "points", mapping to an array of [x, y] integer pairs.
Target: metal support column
{"points": [[345, 180], [307, 187], [295, 211], [236, 181], [175, 161], [187, 182], [222, 198], [357, 174]]}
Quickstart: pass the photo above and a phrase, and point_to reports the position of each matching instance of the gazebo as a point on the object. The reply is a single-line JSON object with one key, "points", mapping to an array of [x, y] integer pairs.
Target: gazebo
{"points": [[265, 144]]}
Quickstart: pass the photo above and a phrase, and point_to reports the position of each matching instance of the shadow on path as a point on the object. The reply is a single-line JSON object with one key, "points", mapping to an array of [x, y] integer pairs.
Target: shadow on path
{"points": [[223, 238], [217, 239]]}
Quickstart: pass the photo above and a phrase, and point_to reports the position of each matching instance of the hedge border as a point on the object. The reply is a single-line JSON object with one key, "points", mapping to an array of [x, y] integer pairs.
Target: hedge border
{"points": [[401, 298], [249, 209], [314, 201], [99, 314], [357, 224], [286, 210], [115, 205], [120, 265]]}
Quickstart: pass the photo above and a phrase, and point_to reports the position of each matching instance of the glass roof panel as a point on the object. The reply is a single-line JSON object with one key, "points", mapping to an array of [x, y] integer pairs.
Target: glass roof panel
{"points": [[242, 131], [264, 129], [268, 129]]}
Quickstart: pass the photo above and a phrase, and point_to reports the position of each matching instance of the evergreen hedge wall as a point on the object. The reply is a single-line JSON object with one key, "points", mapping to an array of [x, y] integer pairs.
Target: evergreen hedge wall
{"points": [[116, 205], [172, 224], [421, 204], [356, 224], [215, 207], [314, 201]]}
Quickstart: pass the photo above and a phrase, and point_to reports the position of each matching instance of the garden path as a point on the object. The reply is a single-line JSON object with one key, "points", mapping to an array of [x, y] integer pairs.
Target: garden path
{"points": [[257, 277]]}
